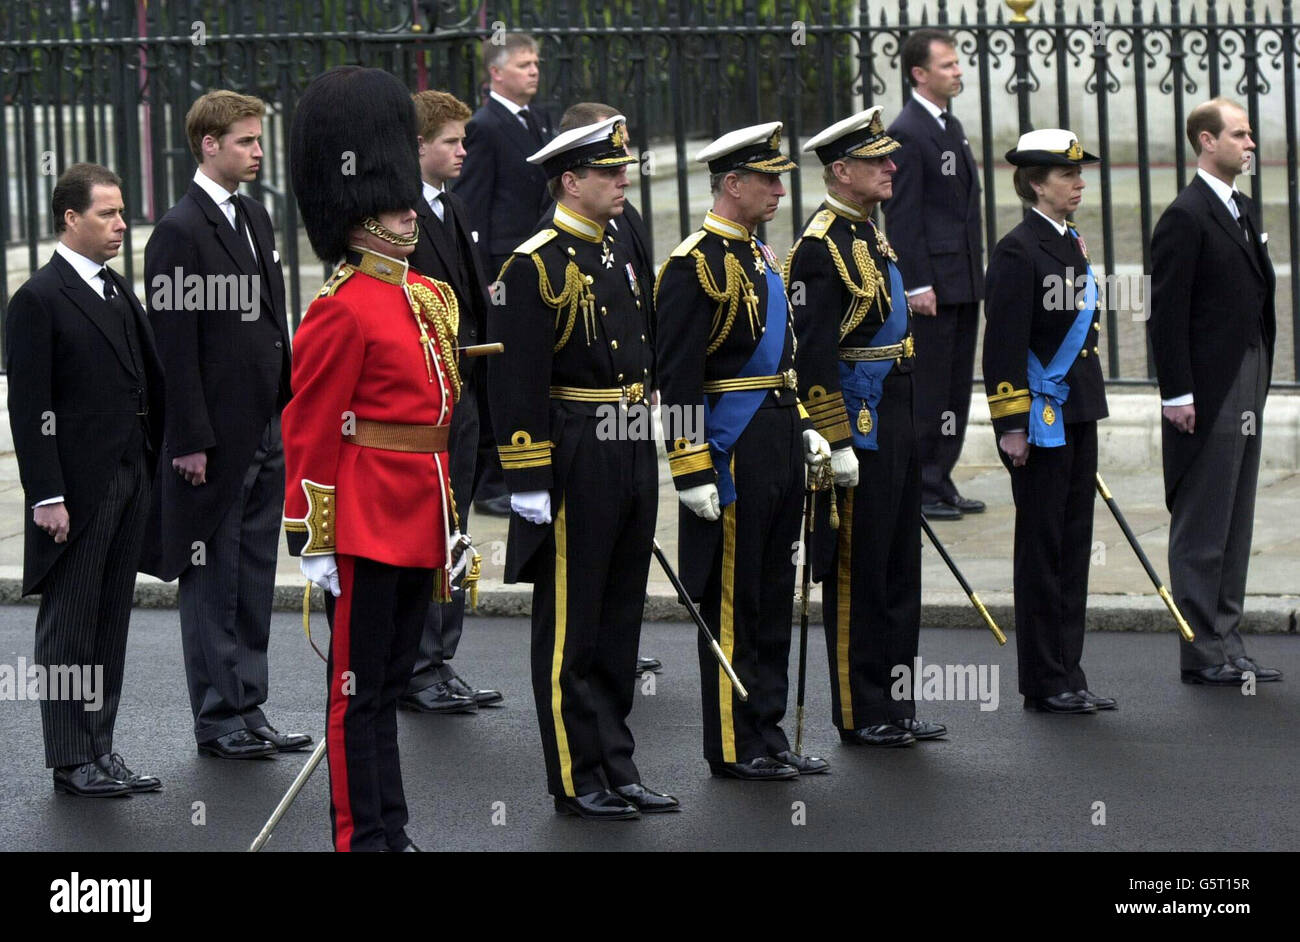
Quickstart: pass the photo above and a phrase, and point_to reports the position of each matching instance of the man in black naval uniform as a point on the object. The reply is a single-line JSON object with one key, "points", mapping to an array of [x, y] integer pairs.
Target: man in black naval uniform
{"points": [[1043, 377], [855, 364], [737, 443], [569, 410]]}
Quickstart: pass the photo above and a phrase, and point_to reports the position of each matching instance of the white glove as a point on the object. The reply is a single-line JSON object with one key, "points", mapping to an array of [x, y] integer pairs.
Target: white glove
{"points": [[466, 545], [702, 500], [322, 571], [844, 463], [816, 450], [533, 506]]}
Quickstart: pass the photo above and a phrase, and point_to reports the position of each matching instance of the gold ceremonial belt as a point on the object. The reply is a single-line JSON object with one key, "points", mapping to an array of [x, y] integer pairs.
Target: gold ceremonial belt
{"points": [[787, 380], [396, 436], [630, 394], [867, 354]]}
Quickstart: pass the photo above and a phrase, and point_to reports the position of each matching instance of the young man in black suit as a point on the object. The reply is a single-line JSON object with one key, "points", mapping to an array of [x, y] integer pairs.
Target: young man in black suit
{"points": [[85, 406], [215, 522], [446, 252], [504, 194], [933, 221], [1212, 332]]}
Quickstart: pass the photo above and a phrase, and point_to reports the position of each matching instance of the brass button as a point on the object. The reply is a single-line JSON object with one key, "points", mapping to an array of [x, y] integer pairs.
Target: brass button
{"points": [[1097, 326], [1069, 283], [620, 378], [1081, 303], [570, 250], [588, 279], [1095, 350], [1084, 354], [643, 338], [602, 310], [614, 344]]}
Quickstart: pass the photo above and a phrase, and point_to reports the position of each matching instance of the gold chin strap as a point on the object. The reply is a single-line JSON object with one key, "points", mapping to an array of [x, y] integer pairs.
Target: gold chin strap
{"points": [[380, 231]]}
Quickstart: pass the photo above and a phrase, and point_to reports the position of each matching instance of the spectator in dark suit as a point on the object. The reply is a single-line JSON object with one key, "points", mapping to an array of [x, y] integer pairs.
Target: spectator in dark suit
{"points": [[446, 252], [933, 221], [85, 406], [216, 515], [504, 193], [1212, 331]]}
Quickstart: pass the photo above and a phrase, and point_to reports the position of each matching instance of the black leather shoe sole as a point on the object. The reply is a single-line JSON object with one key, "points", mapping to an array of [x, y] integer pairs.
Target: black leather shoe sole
{"points": [[848, 738], [565, 807], [218, 753], [64, 788], [415, 706], [1196, 677], [966, 505], [1041, 706], [743, 773], [940, 512]]}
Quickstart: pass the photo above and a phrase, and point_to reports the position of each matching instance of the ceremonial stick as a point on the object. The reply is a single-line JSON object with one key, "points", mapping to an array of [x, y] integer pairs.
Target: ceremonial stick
{"points": [[481, 349], [685, 599], [970, 593], [805, 586], [303, 774], [1183, 628]]}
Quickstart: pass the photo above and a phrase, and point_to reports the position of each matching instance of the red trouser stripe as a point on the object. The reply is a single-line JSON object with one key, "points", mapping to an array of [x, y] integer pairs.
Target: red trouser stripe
{"points": [[340, 654]]}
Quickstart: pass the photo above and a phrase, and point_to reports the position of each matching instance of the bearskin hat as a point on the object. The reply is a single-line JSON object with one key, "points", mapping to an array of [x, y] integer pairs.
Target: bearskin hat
{"points": [[353, 153]]}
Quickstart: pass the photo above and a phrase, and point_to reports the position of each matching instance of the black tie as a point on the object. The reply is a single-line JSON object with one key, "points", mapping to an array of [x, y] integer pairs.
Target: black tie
{"points": [[1242, 219], [123, 308], [242, 227], [534, 128], [439, 207]]}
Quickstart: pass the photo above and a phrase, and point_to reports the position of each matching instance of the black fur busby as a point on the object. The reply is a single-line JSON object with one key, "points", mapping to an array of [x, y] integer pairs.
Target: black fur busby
{"points": [[353, 153]]}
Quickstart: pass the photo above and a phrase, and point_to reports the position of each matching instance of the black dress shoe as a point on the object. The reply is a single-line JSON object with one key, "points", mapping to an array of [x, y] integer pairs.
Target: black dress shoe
{"points": [[113, 766], [407, 848], [481, 697], [1219, 675], [967, 505], [241, 744], [762, 769], [494, 506], [882, 734], [1068, 702], [940, 511], [283, 742], [1262, 674], [804, 765], [651, 664], [598, 806], [437, 698], [89, 781], [923, 729], [1101, 703], [647, 801]]}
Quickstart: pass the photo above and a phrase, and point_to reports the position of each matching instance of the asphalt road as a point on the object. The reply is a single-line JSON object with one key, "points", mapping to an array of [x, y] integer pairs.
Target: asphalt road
{"points": [[1177, 767]]}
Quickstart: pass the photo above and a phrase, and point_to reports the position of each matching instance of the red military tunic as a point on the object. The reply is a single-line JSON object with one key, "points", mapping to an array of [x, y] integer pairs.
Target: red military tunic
{"points": [[373, 347]]}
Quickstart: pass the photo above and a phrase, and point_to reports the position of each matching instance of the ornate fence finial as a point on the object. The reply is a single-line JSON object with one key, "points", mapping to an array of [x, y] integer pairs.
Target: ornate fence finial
{"points": [[1020, 8]]}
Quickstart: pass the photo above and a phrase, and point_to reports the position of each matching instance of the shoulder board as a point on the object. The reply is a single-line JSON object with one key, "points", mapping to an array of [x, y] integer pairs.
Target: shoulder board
{"points": [[818, 225], [343, 273], [684, 247], [536, 242]]}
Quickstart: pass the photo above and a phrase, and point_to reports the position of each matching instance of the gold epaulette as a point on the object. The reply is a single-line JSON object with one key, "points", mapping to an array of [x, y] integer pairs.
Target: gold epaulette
{"points": [[523, 452], [1008, 401], [684, 247], [536, 242], [320, 519], [819, 224], [343, 273], [828, 414], [685, 458]]}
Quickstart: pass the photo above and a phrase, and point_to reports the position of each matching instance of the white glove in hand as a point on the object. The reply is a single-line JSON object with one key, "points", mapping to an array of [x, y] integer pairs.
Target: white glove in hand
{"points": [[533, 506], [816, 450], [702, 500], [457, 564], [322, 571], [844, 463]]}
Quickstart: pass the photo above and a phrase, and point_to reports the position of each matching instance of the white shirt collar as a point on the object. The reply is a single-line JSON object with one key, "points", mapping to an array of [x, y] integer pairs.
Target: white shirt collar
{"points": [[220, 195], [513, 108], [929, 106], [431, 192], [86, 268], [1060, 229], [1222, 190]]}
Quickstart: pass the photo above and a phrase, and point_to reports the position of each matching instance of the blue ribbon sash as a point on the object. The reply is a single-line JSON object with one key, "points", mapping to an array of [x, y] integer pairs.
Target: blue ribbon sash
{"points": [[725, 421], [864, 383], [1048, 385]]}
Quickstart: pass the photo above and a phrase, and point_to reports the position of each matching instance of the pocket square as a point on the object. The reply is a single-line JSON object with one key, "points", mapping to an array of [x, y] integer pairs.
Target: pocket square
{"points": [[474, 235], [1263, 238], [275, 256]]}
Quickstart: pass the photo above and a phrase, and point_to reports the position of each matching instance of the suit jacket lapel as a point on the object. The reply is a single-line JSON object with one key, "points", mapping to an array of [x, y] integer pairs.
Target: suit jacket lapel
{"points": [[267, 269], [96, 309], [436, 232], [514, 128], [230, 239], [1219, 212], [1052, 242]]}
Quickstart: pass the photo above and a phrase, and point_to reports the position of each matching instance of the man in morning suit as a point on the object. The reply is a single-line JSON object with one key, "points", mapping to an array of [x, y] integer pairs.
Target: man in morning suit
{"points": [[445, 252], [85, 407], [1212, 332], [738, 441], [215, 520], [933, 221]]}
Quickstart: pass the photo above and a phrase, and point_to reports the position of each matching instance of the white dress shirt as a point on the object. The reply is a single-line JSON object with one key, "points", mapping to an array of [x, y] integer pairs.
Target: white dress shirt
{"points": [[513, 108], [225, 201], [432, 196]]}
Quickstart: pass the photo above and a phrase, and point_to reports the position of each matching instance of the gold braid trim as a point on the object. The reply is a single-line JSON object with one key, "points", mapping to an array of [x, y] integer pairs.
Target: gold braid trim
{"points": [[575, 296], [872, 288], [737, 282], [440, 309]]}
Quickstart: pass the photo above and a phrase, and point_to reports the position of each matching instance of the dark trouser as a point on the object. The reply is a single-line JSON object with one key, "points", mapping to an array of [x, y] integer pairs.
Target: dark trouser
{"points": [[1213, 518], [83, 618], [588, 597], [750, 590], [374, 629], [443, 624], [872, 600], [945, 367], [1054, 492], [225, 604]]}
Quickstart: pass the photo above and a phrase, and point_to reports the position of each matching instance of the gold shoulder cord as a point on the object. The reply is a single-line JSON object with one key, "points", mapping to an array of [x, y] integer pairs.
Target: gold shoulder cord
{"points": [[440, 309], [576, 296], [730, 296], [872, 288]]}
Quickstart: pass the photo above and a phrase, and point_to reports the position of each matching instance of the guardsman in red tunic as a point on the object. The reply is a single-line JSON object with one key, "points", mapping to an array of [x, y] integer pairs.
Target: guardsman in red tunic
{"points": [[365, 435]]}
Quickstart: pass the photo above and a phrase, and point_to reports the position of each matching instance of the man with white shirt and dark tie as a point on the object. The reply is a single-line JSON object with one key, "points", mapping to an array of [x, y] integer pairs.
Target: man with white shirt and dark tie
{"points": [[215, 519], [1212, 330], [85, 407]]}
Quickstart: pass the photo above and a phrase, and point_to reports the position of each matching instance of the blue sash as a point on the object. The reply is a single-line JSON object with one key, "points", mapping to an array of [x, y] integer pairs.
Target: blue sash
{"points": [[864, 383], [724, 422], [1046, 421]]}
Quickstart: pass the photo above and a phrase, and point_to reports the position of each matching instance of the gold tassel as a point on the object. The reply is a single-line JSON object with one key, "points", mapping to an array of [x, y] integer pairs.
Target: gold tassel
{"points": [[470, 582]]}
